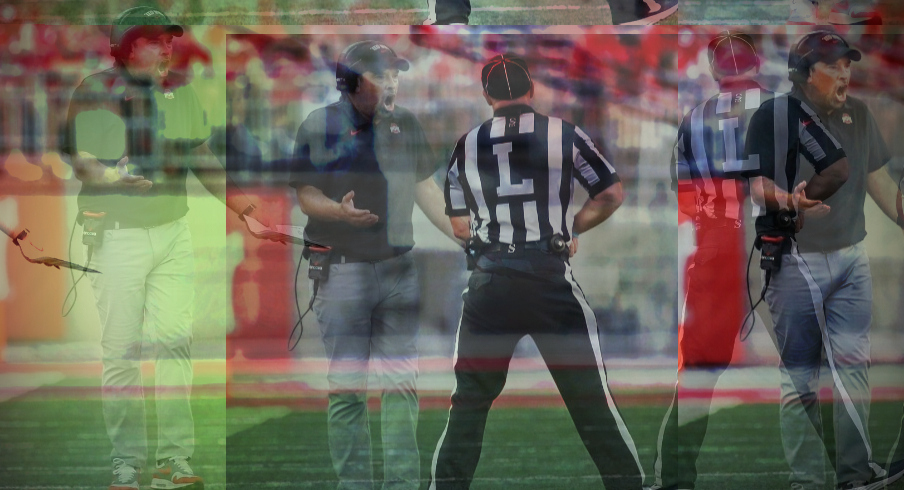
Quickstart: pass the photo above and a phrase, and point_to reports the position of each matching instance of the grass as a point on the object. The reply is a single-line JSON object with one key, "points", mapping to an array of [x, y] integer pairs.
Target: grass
{"points": [[54, 437], [527, 448], [406, 12]]}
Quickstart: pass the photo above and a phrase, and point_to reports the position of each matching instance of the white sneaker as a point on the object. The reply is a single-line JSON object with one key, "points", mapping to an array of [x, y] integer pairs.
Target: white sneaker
{"points": [[125, 477], [174, 473], [649, 12], [844, 14]]}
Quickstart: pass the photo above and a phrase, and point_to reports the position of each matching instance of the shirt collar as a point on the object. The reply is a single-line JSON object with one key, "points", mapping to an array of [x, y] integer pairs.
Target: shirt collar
{"points": [[359, 121], [127, 77], [512, 110], [739, 85]]}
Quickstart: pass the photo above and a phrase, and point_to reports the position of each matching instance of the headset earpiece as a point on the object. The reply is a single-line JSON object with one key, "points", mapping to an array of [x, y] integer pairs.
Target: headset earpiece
{"points": [[346, 77], [798, 65]]}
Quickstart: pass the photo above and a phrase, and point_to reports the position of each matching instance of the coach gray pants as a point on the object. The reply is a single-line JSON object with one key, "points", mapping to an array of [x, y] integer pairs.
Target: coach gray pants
{"points": [[821, 306], [370, 312], [146, 280]]}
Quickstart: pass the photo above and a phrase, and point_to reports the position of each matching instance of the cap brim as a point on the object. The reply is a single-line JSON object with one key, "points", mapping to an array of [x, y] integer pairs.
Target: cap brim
{"points": [[380, 65], [841, 52], [156, 30], [401, 64]]}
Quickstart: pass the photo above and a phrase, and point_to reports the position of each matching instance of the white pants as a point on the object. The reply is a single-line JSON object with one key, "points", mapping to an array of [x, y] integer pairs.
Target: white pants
{"points": [[146, 279]]}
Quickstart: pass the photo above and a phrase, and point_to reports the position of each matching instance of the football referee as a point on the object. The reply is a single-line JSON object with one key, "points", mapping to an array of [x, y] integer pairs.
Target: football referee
{"points": [[508, 193]]}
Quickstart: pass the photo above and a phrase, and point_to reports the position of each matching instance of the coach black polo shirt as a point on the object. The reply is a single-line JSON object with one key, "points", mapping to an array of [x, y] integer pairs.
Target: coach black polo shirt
{"points": [[338, 150], [854, 127], [112, 115], [791, 143]]}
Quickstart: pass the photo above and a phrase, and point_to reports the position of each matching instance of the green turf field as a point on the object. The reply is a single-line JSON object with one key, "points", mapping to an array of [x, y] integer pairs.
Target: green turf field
{"points": [[406, 12], [53, 437], [524, 448]]}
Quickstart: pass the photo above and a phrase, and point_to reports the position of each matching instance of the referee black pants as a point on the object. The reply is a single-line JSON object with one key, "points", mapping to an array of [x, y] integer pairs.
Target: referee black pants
{"points": [[499, 309]]}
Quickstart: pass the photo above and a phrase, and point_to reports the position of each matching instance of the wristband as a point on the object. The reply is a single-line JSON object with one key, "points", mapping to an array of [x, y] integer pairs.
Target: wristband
{"points": [[250, 209], [574, 234]]}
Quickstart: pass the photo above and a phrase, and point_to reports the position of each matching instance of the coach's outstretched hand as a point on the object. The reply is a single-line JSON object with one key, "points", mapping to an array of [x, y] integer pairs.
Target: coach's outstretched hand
{"points": [[806, 207], [133, 183], [356, 217]]}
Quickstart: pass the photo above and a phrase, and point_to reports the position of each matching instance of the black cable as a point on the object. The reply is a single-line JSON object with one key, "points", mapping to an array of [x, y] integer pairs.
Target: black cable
{"points": [[747, 275], [743, 336], [299, 325], [65, 312]]}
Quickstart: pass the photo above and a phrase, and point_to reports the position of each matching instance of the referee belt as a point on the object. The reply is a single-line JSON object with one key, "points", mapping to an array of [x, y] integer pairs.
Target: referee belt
{"points": [[541, 245]]}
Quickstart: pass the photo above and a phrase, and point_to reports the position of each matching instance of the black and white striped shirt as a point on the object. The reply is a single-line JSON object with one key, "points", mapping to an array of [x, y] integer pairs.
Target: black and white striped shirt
{"points": [[514, 175], [709, 152]]}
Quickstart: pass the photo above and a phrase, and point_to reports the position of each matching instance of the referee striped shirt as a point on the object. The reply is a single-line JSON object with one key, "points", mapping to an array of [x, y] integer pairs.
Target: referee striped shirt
{"points": [[709, 152], [514, 175]]}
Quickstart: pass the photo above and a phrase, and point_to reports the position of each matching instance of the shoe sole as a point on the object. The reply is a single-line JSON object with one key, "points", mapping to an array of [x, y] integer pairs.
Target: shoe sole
{"points": [[652, 19], [160, 484], [884, 483], [846, 20]]}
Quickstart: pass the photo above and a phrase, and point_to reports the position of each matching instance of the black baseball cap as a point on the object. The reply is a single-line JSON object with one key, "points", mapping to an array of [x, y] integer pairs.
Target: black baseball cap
{"points": [[732, 53], [825, 46], [141, 21], [372, 56], [506, 77]]}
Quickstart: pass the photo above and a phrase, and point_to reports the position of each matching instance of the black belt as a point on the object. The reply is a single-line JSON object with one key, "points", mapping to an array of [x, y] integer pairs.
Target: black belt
{"points": [[512, 248], [808, 250], [131, 224], [338, 258]]}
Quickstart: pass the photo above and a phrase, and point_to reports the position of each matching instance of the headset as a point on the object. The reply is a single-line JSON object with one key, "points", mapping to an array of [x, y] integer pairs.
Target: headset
{"points": [[798, 64], [346, 76]]}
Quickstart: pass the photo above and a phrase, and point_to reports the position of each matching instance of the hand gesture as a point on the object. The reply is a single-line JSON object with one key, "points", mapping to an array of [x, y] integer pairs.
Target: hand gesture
{"points": [[361, 218], [131, 183], [806, 207], [259, 226]]}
